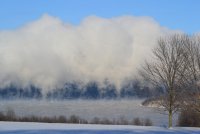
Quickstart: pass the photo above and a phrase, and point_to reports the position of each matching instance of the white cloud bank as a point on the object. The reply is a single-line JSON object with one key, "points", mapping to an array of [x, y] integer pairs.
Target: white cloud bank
{"points": [[49, 52]]}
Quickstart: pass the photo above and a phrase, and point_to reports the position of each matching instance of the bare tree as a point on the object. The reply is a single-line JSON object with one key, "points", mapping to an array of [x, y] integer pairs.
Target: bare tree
{"points": [[168, 69], [192, 48]]}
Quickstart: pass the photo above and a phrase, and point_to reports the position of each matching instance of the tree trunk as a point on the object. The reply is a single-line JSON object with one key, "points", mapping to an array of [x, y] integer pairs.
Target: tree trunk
{"points": [[170, 119]]}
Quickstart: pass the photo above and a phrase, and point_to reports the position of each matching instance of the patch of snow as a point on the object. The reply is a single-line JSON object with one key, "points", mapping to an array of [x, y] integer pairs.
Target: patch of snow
{"points": [[59, 128]]}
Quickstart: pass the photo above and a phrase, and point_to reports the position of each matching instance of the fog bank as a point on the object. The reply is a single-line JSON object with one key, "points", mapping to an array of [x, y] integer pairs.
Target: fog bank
{"points": [[49, 52]]}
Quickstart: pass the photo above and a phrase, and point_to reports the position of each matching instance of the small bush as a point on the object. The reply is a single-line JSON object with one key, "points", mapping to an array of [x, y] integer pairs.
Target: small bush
{"points": [[142, 122], [189, 117], [10, 115], [137, 122], [74, 119], [62, 119], [2, 116], [83, 121], [106, 121], [123, 121], [95, 120], [148, 122]]}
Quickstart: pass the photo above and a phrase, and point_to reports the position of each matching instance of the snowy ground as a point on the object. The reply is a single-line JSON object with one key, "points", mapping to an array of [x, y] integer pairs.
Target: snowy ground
{"points": [[58, 128]]}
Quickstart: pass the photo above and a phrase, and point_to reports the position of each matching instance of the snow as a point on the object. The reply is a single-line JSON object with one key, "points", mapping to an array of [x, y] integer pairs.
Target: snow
{"points": [[59, 128]]}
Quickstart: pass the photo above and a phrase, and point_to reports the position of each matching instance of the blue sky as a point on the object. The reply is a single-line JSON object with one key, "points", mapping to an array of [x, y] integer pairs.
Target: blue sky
{"points": [[174, 14]]}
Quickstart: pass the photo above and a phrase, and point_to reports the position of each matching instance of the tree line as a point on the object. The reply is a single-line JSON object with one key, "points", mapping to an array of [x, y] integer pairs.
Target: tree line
{"points": [[75, 90]]}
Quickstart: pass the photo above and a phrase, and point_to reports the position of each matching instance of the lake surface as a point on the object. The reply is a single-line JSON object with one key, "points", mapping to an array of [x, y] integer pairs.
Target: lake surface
{"points": [[87, 109]]}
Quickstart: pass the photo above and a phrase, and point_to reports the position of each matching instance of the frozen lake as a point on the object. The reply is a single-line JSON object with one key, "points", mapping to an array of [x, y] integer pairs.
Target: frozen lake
{"points": [[87, 109]]}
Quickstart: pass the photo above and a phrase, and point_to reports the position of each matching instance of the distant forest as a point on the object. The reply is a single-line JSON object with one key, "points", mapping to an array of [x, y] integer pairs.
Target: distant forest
{"points": [[75, 90]]}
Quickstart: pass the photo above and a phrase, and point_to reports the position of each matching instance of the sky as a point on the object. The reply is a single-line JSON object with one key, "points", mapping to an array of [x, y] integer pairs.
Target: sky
{"points": [[47, 43], [174, 14]]}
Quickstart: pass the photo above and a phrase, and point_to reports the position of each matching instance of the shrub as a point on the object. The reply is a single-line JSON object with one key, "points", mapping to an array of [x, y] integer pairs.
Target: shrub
{"points": [[74, 119], [123, 121], [62, 119], [189, 117], [10, 115], [106, 121], [95, 120], [2, 116], [137, 122], [142, 122], [148, 122]]}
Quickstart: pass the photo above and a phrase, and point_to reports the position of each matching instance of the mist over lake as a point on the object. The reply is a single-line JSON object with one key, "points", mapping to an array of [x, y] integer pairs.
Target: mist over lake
{"points": [[87, 109]]}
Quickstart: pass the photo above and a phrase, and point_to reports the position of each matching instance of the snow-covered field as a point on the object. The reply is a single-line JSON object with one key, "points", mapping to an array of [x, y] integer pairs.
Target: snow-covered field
{"points": [[87, 109], [58, 128]]}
